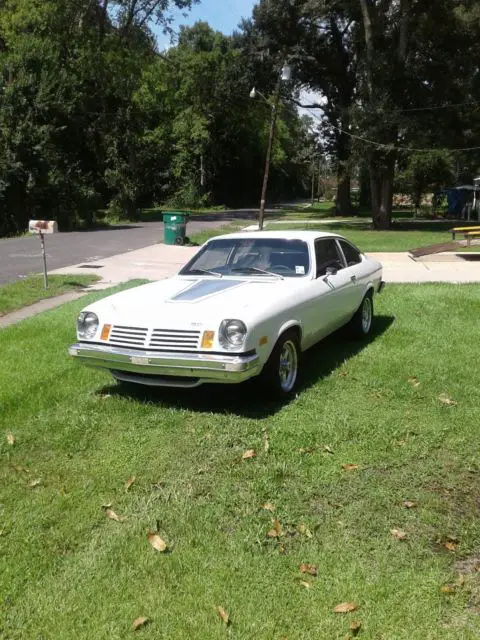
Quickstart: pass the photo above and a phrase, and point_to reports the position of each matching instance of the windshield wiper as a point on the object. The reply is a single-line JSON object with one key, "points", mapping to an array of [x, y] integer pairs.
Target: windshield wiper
{"points": [[192, 272], [257, 270]]}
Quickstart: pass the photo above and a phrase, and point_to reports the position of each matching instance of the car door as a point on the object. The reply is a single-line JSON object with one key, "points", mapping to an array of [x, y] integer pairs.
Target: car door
{"points": [[331, 290], [355, 271]]}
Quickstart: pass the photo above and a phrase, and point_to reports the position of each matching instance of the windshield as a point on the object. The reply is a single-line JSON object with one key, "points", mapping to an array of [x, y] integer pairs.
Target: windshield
{"points": [[265, 257]]}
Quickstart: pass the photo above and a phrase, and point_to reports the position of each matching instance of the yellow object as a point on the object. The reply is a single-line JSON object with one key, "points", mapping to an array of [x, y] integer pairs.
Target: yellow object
{"points": [[207, 339], [263, 341], [106, 331]]}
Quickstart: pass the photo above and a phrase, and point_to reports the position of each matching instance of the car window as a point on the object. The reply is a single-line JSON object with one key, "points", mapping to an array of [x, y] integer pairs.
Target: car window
{"points": [[217, 256], [327, 255], [352, 255], [251, 256]]}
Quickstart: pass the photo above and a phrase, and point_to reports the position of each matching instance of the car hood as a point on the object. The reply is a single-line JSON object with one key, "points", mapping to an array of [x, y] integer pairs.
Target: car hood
{"points": [[186, 301]]}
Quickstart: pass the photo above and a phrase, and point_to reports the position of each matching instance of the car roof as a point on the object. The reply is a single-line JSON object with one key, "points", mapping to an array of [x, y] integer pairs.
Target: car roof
{"points": [[306, 236]]}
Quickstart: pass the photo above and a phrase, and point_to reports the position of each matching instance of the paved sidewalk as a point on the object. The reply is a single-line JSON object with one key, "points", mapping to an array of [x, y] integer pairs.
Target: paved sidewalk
{"points": [[151, 263]]}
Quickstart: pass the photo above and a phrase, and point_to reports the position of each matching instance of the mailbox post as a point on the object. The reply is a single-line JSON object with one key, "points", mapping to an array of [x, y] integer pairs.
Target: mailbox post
{"points": [[40, 228]]}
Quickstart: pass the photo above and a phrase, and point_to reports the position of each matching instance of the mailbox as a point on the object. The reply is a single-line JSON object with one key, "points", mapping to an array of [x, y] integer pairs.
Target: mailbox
{"points": [[43, 226], [40, 228]]}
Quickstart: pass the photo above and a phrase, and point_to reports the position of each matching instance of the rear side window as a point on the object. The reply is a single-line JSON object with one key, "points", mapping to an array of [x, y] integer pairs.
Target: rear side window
{"points": [[352, 255], [327, 255]]}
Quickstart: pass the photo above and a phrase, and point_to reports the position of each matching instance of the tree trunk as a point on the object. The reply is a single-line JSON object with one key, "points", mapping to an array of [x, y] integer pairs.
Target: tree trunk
{"points": [[365, 196], [343, 204], [381, 181]]}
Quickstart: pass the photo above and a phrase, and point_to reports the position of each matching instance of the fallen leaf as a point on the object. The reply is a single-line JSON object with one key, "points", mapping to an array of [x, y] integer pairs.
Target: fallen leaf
{"points": [[223, 615], [250, 453], [140, 622], [355, 627], [308, 568], [345, 607], [266, 443], [327, 449], [10, 438], [304, 531], [113, 516], [445, 400], [277, 530], [34, 483], [304, 583], [398, 533], [268, 506], [448, 588], [129, 483], [408, 504], [20, 469], [157, 543], [450, 545], [349, 467], [414, 382]]}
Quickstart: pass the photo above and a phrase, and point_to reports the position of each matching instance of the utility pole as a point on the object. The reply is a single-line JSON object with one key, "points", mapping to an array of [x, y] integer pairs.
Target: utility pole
{"points": [[313, 180], [271, 137], [202, 171]]}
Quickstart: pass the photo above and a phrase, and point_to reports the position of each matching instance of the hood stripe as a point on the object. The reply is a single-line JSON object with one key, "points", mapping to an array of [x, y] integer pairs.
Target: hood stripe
{"points": [[205, 288]]}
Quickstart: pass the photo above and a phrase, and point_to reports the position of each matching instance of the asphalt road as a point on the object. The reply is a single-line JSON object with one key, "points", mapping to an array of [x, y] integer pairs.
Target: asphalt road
{"points": [[23, 256]]}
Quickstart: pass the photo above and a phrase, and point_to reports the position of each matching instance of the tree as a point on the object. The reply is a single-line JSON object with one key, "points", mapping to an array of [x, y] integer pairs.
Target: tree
{"points": [[426, 170]]}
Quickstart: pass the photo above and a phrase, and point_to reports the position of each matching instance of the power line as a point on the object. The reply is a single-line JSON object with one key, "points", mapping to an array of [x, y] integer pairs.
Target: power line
{"points": [[444, 106], [389, 147]]}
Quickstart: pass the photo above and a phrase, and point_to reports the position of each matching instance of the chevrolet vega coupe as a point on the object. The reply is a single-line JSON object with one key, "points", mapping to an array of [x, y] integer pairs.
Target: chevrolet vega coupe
{"points": [[246, 305]]}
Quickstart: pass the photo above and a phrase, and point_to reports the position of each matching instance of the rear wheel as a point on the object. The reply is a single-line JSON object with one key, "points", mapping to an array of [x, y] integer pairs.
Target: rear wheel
{"points": [[280, 374], [361, 323]]}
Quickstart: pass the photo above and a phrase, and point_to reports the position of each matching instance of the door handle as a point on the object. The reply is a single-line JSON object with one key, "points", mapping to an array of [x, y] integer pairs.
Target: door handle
{"points": [[353, 278]]}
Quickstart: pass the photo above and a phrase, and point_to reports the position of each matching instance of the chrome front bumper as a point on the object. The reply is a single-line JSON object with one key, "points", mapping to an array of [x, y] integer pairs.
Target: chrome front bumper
{"points": [[202, 366]]}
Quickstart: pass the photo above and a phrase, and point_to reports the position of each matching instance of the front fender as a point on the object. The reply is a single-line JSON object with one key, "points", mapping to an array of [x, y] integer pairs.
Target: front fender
{"points": [[272, 332]]}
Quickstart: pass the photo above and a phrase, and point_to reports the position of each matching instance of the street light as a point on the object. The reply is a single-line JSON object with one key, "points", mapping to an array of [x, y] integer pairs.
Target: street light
{"points": [[284, 76]]}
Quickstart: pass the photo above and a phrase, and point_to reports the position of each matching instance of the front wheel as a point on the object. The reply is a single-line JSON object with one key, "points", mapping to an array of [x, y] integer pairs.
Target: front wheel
{"points": [[280, 374], [361, 323]]}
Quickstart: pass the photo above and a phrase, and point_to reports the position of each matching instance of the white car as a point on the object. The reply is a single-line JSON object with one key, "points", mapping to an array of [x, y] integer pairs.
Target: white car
{"points": [[246, 305]]}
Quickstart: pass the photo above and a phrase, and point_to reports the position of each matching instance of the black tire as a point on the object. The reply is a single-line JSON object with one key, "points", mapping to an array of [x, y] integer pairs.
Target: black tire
{"points": [[360, 325], [278, 379]]}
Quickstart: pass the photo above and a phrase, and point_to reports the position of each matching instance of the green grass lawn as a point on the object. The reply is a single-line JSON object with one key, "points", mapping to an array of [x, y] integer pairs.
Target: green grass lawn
{"points": [[21, 293], [403, 236], [70, 439]]}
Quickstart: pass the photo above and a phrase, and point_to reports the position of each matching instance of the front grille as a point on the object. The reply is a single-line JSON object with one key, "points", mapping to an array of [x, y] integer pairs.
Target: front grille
{"points": [[128, 336], [173, 339], [158, 339]]}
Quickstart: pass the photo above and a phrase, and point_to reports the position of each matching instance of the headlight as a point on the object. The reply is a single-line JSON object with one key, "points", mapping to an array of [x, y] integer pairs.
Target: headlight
{"points": [[232, 334], [87, 325]]}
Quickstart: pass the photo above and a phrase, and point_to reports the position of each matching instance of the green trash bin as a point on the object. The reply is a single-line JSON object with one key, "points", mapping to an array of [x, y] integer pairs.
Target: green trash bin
{"points": [[175, 227]]}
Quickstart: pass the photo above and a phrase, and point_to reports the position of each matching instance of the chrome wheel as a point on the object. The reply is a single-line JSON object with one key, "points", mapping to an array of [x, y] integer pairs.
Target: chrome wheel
{"points": [[366, 314], [288, 367]]}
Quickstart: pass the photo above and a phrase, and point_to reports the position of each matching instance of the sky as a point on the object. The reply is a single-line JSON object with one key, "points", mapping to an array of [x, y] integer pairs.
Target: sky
{"points": [[222, 15]]}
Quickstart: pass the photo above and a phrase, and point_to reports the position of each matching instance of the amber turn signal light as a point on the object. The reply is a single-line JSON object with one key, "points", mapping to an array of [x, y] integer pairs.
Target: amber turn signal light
{"points": [[207, 339], [106, 331]]}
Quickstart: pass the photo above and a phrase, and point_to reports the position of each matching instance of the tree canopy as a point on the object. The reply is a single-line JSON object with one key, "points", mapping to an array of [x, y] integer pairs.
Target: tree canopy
{"points": [[93, 116]]}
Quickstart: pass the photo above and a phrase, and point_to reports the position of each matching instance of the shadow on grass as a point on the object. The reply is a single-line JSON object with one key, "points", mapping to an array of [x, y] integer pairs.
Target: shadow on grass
{"points": [[246, 400]]}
